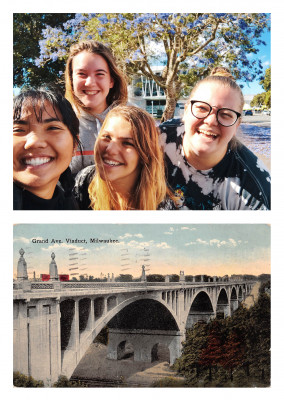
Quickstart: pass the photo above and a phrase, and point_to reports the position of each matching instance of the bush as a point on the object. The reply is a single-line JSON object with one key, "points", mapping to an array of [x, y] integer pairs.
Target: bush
{"points": [[169, 382], [63, 381], [21, 380]]}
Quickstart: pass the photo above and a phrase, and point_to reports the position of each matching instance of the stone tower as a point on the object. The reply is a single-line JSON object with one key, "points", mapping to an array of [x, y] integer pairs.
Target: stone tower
{"points": [[53, 272], [22, 273], [143, 277]]}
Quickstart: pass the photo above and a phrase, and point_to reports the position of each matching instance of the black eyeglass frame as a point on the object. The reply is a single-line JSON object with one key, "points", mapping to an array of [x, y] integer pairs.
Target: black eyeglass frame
{"points": [[218, 110]]}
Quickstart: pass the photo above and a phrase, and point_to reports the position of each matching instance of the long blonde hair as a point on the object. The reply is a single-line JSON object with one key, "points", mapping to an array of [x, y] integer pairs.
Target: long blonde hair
{"points": [[117, 94], [151, 188]]}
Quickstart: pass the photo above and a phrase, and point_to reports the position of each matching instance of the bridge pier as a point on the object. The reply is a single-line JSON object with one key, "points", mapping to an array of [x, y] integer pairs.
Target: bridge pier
{"points": [[37, 339], [143, 343]]}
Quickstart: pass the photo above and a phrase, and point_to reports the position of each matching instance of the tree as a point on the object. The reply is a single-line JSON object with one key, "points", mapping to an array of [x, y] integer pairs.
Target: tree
{"points": [[185, 44], [124, 278], [155, 278], [264, 98], [174, 278], [232, 352], [258, 100], [27, 32], [211, 355], [195, 341]]}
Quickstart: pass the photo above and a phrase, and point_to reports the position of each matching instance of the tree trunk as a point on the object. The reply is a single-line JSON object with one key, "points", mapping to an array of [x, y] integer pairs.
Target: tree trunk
{"points": [[170, 103]]}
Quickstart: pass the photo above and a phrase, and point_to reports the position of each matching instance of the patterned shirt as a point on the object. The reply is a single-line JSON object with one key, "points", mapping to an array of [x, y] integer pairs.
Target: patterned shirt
{"points": [[240, 181]]}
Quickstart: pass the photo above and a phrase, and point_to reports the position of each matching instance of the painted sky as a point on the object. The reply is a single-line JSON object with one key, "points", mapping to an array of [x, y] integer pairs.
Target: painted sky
{"points": [[215, 249]]}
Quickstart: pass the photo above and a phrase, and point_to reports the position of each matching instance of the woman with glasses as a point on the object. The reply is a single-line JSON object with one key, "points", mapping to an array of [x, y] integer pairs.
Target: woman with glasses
{"points": [[206, 165]]}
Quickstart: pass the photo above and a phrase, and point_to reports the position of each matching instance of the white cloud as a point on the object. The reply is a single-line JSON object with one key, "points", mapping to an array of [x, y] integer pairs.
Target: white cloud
{"points": [[139, 235], [200, 241], [214, 241], [64, 246], [183, 228], [163, 245], [126, 235], [139, 245], [23, 239], [232, 242]]}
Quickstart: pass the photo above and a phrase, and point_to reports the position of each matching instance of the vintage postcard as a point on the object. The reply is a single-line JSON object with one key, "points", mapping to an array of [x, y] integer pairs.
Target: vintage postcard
{"points": [[144, 305]]}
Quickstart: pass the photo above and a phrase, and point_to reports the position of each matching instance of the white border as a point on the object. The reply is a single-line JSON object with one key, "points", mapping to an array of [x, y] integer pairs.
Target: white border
{"points": [[275, 217]]}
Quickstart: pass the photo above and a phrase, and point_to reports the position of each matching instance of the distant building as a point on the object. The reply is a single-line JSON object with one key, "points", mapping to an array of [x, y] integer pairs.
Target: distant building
{"points": [[248, 98], [145, 93]]}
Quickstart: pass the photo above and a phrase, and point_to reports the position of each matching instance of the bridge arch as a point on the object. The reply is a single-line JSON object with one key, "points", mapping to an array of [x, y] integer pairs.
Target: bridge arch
{"points": [[147, 313], [234, 302], [84, 313], [223, 305], [160, 352], [201, 309], [67, 312], [125, 349], [102, 322]]}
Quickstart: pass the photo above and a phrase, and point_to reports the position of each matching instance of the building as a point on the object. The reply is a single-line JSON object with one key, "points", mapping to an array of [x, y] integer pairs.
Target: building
{"points": [[145, 93]]}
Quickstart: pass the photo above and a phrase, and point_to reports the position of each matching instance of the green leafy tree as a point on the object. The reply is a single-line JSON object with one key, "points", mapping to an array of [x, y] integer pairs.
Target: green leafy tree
{"points": [[124, 278], [195, 341], [259, 343], [185, 44], [266, 81], [264, 98], [155, 278], [258, 100], [27, 33], [174, 278]]}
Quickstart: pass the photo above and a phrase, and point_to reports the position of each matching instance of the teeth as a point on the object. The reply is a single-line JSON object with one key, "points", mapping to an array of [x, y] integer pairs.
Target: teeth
{"points": [[110, 162], [208, 133], [37, 161], [91, 92]]}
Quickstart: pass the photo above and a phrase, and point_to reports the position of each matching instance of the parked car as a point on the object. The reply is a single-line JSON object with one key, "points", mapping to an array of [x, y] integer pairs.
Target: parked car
{"points": [[266, 112], [248, 112]]}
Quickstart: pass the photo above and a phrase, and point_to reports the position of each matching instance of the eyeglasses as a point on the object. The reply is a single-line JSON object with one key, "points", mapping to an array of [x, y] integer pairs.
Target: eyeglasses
{"points": [[225, 116]]}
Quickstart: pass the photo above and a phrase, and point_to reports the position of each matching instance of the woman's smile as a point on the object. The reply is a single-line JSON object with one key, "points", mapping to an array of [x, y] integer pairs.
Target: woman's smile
{"points": [[42, 151], [120, 159], [206, 141]]}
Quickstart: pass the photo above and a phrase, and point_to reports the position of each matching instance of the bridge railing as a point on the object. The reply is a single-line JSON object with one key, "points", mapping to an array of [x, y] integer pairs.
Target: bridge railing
{"points": [[71, 285]]}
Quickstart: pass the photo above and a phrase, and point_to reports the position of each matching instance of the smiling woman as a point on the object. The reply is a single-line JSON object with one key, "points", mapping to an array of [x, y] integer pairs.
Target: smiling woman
{"points": [[94, 85], [207, 166], [129, 169], [45, 134]]}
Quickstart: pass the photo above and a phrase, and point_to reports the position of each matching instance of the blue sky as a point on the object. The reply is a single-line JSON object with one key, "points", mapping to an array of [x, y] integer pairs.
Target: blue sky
{"points": [[215, 249], [265, 55]]}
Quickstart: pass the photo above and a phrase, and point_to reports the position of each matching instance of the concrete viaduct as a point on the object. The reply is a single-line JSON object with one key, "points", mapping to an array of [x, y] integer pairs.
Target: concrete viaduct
{"points": [[55, 322]]}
